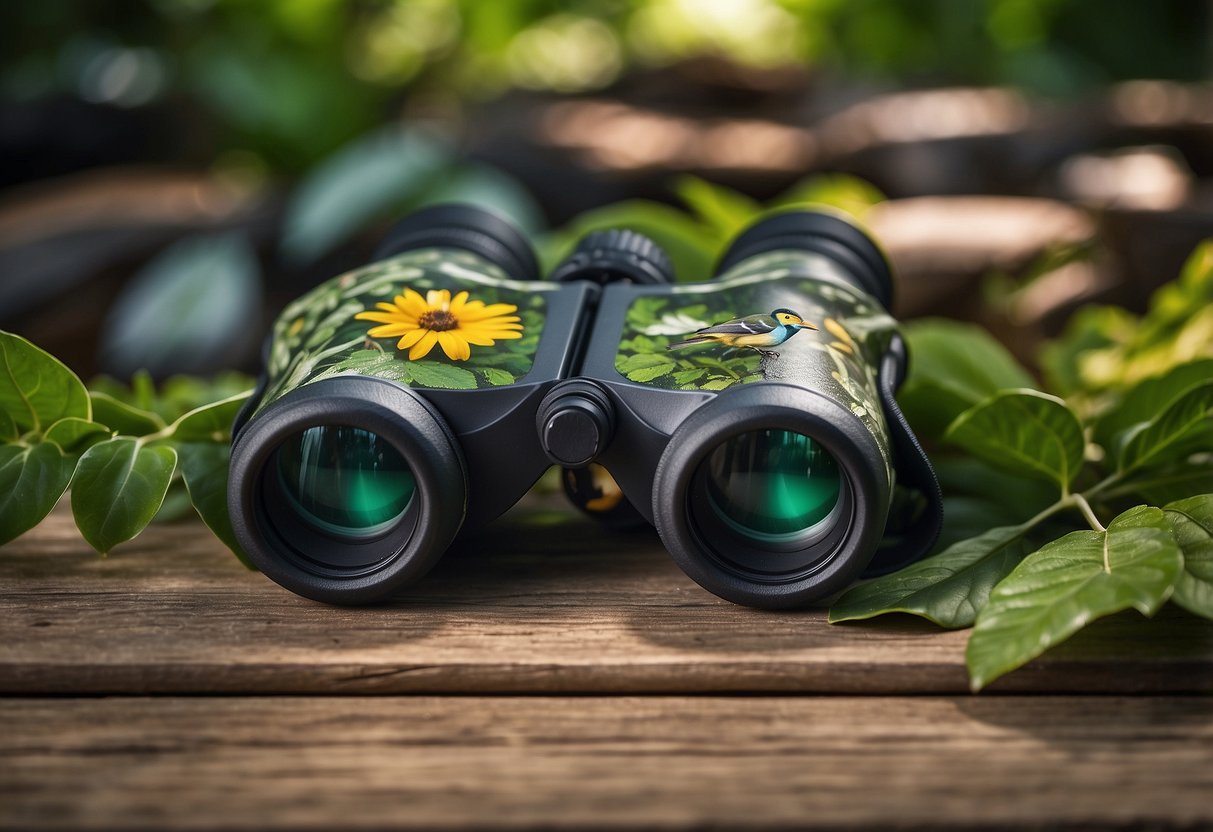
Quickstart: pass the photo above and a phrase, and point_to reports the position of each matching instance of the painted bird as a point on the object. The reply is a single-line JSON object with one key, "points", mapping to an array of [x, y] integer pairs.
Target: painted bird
{"points": [[753, 331]]}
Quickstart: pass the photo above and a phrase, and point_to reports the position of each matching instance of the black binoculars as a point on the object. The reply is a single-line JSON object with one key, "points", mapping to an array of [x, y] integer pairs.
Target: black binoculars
{"points": [[750, 418]]}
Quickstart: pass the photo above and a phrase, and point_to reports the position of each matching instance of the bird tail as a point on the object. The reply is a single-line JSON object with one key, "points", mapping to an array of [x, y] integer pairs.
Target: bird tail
{"points": [[690, 342]]}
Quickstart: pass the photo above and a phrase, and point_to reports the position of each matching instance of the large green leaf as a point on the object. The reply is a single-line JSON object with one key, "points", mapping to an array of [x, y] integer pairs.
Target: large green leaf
{"points": [[953, 367], [36, 389], [32, 479], [1191, 521], [1145, 400], [1158, 485], [122, 417], [1169, 433], [75, 436], [211, 422], [949, 588], [724, 209], [194, 308], [1024, 432], [204, 467], [118, 488], [364, 180], [1070, 582]]}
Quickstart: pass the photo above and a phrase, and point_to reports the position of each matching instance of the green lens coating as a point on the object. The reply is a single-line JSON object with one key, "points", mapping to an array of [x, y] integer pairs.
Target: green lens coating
{"points": [[772, 484], [345, 480]]}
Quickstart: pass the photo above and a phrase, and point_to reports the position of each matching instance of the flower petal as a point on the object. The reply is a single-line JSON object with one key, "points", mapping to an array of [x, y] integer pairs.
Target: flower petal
{"points": [[390, 330], [412, 303], [450, 345], [490, 311], [422, 348], [457, 302], [438, 299], [411, 338], [380, 317]]}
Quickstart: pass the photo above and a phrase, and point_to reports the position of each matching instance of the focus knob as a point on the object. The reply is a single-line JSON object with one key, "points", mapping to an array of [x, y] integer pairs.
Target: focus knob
{"points": [[617, 255], [575, 422]]}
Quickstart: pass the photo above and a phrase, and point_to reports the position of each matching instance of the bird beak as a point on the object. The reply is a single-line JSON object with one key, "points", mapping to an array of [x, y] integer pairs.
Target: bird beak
{"points": [[806, 325]]}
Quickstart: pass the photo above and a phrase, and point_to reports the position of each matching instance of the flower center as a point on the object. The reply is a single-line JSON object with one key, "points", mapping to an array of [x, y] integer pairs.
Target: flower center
{"points": [[437, 320]]}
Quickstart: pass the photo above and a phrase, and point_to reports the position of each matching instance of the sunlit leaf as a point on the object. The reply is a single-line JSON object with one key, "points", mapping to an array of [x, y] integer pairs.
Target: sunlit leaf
{"points": [[1069, 583], [1168, 433], [36, 389], [32, 479], [953, 367], [118, 488], [949, 588], [725, 210], [1024, 432]]}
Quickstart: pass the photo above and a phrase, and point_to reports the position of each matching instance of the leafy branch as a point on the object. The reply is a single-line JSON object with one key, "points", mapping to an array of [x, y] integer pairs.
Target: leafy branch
{"points": [[1027, 585], [119, 450]]}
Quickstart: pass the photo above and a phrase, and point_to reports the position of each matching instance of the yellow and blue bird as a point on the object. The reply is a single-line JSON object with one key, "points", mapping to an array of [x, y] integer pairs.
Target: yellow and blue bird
{"points": [[757, 332]]}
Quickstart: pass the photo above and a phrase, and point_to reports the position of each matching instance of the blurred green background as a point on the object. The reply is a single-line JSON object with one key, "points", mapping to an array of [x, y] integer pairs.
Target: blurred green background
{"points": [[175, 170]]}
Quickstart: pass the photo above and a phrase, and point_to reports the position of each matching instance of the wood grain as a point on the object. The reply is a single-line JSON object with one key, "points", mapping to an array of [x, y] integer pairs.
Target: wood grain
{"points": [[509, 762], [541, 602]]}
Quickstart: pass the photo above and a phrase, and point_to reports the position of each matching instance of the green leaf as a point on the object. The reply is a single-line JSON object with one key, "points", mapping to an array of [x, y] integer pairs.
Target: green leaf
{"points": [[725, 210], [32, 479], [437, 374], [1070, 582], [1165, 484], [650, 373], [692, 246], [8, 428], [123, 418], [194, 307], [204, 467], [36, 389], [365, 179], [953, 367], [644, 361], [495, 376], [1024, 432], [211, 422], [75, 436], [847, 193], [118, 488], [1145, 400], [1191, 522], [1162, 437], [949, 588]]}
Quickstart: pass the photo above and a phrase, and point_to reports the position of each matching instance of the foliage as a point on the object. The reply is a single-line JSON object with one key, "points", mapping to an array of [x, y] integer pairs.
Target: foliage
{"points": [[119, 449], [1132, 440], [695, 238], [291, 81]]}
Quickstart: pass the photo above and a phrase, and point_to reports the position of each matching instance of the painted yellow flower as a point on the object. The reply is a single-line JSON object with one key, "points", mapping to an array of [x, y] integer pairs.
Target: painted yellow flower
{"points": [[454, 324]]}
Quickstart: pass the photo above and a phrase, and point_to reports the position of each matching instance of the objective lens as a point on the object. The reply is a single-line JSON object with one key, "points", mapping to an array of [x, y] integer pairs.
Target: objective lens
{"points": [[344, 480], [772, 485]]}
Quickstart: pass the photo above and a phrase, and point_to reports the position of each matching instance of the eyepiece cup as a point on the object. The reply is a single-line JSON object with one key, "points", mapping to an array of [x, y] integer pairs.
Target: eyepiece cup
{"points": [[721, 547], [822, 233], [359, 540], [465, 227]]}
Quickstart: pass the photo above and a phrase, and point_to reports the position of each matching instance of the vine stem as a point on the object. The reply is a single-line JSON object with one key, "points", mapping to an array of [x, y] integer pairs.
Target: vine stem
{"points": [[1085, 508]]}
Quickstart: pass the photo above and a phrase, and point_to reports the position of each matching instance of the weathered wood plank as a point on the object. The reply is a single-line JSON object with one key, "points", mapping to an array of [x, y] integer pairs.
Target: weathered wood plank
{"points": [[543, 603], [732, 762]]}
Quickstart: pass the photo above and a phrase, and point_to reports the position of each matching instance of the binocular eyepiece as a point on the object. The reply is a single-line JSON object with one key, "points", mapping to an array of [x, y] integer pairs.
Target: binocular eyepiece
{"points": [[750, 418]]}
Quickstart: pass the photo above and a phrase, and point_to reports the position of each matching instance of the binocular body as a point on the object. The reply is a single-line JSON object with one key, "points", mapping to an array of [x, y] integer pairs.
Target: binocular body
{"points": [[750, 417]]}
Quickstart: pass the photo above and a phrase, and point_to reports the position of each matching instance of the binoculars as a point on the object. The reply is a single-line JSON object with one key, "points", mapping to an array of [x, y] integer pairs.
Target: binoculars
{"points": [[750, 418]]}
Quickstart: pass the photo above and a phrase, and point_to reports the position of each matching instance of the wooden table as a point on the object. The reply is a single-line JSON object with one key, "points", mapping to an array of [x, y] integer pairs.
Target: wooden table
{"points": [[551, 674]]}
